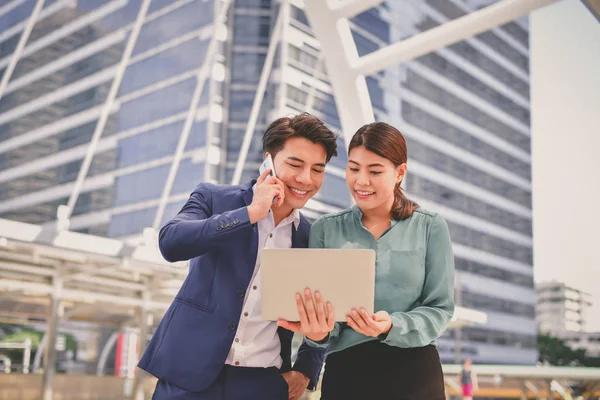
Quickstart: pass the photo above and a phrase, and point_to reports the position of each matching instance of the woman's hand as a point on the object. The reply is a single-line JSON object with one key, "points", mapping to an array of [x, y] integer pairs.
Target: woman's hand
{"points": [[314, 323], [369, 325]]}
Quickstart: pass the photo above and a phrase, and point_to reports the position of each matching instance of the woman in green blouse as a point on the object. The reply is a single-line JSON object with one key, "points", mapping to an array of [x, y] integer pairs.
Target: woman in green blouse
{"points": [[390, 354]]}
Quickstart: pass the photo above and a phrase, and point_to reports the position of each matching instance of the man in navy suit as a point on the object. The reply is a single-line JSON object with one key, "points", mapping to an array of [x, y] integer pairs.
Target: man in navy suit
{"points": [[212, 343]]}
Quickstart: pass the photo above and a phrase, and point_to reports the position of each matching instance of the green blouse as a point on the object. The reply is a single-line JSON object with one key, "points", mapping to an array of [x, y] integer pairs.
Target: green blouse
{"points": [[414, 275]]}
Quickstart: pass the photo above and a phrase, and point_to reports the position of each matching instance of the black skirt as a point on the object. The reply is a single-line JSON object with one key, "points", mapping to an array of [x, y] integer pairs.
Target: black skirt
{"points": [[375, 370]]}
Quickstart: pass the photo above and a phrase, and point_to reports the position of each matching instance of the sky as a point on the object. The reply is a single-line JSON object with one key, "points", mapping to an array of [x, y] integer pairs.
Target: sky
{"points": [[565, 107]]}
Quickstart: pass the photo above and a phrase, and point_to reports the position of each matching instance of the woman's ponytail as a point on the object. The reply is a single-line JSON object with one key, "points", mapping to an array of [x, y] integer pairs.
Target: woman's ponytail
{"points": [[403, 207]]}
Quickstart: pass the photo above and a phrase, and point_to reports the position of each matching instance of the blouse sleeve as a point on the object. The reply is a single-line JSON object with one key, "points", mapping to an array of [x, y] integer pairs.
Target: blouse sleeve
{"points": [[424, 324]]}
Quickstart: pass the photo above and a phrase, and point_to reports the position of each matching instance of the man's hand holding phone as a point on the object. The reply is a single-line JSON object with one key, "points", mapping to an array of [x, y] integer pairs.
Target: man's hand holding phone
{"points": [[267, 188]]}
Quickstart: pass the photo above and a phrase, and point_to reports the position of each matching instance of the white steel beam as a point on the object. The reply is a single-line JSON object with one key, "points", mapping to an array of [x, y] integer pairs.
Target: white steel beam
{"points": [[347, 70], [339, 51], [284, 57], [45, 13], [110, 343], [68, 29], [37, 359], [441, 36], [6, 8], [69, 59], [201, 77], [258, 97], [20, 46], [350, 8], [108, 105]]}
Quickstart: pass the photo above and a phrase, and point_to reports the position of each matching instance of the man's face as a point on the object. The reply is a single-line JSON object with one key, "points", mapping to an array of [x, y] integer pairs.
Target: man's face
{"points": [[300, 165]]}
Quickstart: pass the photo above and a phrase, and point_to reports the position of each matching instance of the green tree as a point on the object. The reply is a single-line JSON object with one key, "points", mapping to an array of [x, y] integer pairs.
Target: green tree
{"points": [[554, 351]]}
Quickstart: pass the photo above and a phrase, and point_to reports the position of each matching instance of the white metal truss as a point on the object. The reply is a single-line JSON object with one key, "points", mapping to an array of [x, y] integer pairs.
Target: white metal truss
{"points": [[8, 7], [70, 28], [201, 77], [347, 71], [45, 13], [108, 105], [93, 270], [329, 23], [259, 95], [20, 46]]}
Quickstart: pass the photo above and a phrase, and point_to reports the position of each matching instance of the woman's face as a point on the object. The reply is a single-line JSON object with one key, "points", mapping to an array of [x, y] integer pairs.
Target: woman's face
{"points": [[372, 179]]}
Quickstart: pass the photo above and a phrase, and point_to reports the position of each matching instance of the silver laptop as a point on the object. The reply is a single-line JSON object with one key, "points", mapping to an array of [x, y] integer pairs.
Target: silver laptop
{"points": [[344, 277]]}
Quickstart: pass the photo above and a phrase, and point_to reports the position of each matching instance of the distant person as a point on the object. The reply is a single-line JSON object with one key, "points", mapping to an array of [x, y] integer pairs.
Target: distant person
{"points": [[468, 380], [390, 354], [212, 342]]}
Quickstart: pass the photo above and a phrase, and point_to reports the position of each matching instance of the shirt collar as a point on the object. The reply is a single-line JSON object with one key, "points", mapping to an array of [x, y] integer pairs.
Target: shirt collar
{"points": [[358, 214], [296, 215]]}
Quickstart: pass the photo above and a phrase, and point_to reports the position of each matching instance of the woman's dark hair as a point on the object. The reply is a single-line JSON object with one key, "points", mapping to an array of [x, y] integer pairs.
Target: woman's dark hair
{"points": [[387, 142], [303, 125]]}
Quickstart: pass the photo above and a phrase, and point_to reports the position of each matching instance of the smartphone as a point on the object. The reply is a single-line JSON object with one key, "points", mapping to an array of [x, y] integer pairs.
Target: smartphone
{"points": [[267, 164]]}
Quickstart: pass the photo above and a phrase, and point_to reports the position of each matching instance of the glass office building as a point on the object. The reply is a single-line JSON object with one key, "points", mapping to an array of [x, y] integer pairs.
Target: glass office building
{"points": [[464, 110]]}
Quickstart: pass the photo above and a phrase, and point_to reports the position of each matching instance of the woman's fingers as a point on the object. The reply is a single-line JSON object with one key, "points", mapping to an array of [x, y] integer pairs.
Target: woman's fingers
{"points": [[330, 317], [358, 319], [352, 324], [363, 323], [321, 316], [302, 313], [368, 319], [310, 311]]}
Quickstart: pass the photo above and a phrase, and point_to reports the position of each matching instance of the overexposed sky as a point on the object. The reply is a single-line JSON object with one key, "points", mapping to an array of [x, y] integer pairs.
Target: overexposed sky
{"points": [[565, 107]]}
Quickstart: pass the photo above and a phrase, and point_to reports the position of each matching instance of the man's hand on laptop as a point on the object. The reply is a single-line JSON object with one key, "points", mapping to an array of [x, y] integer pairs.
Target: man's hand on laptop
{"points": [[315, 322], [268, 191]]}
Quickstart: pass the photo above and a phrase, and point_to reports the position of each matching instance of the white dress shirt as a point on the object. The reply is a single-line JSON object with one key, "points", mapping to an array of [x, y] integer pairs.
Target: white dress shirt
{"points": [[256, 342]]}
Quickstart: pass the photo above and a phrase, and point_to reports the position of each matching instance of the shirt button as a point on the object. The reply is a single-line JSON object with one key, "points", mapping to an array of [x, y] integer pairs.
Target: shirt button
{"points": [[270, 235], [245, 314], [237, 340], [232, 327], [237, 363], [241, 292], [254, 287]]}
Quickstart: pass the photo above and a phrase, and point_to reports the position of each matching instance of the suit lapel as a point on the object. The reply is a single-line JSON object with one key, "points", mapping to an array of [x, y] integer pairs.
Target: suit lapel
{"points": [[247, 194], [299, 236]]}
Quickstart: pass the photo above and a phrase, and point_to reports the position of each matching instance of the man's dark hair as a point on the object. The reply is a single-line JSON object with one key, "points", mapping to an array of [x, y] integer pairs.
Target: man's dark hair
{"points": [[303, 125]]}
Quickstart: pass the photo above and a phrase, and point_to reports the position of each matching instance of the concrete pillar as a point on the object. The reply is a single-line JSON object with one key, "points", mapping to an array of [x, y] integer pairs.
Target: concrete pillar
{"points": [[458, 330], [142, 320], [50, 349], [27, 356], [524, 391]]}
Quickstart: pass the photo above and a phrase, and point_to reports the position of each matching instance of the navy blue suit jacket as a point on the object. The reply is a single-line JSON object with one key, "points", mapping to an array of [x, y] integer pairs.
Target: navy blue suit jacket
{"points": [[193, 339]]}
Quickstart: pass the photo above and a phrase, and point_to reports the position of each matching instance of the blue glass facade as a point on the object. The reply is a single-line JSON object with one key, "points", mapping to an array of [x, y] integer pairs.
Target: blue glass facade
{"points": [[50, 109]]}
